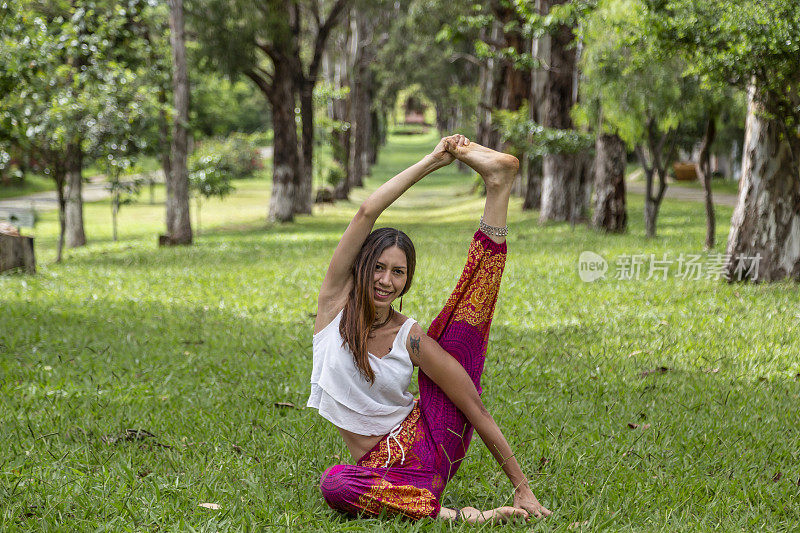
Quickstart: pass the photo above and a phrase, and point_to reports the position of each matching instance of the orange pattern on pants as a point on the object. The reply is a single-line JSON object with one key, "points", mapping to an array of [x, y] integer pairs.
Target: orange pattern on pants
{"points": [[391, 477], [475, 295]]}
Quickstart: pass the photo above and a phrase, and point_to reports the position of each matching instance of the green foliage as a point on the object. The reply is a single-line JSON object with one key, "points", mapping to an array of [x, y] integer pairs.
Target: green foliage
{"points": [[739, 43], [197, 344], [80, 76], [515, 16], [531, 138], [414, 59], [634, 76], [629, 80], [335, 174], [216, 160], [124, 192], [207, 178], [261, 138], [221, 106]]}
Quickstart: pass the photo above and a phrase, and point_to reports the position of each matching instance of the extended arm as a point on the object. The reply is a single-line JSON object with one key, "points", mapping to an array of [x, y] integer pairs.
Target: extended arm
{"points": [[336, 284], [451, 377]]}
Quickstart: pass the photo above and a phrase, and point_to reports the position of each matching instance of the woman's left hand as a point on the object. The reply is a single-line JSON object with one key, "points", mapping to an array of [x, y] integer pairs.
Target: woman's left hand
{"points": [[524, 499]]}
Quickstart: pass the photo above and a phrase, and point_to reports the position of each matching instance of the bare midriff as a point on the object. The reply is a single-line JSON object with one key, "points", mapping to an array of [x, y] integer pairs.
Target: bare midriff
{"points": [[359, 445]]}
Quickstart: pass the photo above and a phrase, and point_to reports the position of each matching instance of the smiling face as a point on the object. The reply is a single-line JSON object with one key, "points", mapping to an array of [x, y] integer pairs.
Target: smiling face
{"points": [[390, 276]]}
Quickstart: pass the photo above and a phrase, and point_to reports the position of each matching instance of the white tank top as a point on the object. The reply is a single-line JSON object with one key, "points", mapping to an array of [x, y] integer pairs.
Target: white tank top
{"points": [[344, 397]]}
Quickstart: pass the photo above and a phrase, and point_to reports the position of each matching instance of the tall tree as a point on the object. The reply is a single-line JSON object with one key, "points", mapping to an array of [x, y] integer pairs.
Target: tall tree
{"points": [[561, 186], [643, 92], [179, 225], [500, 34], [270, 43], [753, 46], [337, 68], [362, 32], [66, 62]]}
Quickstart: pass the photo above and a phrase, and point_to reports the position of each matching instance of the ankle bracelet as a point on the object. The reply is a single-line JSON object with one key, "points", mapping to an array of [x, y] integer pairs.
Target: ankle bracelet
{"points": [[496, 231]]}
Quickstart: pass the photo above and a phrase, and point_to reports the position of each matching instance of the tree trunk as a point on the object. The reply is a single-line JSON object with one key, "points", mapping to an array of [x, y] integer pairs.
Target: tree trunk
{"points": [[17, 252], [179, 228], [335, 71], [114, 211], [360, 103], [610, 213], [584, 179], [650, 217], [704, 171], [303, 194], [766, 220], [285, 156], [179, 225], [374, 134], [659, 161], [163, 143], [60, 178], [491, 84], [533, 189], [559, 170], [75, 234]]}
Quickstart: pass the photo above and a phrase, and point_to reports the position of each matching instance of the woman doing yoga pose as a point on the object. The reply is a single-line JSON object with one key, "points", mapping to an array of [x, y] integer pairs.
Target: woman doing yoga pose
{"points": [[405, 450]]}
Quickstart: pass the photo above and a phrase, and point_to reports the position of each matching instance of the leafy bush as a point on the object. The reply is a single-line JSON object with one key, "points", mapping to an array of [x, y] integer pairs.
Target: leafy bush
{"points": [[208, 180], [335, 174], [236, 157], [536, 140], [259, 138]]}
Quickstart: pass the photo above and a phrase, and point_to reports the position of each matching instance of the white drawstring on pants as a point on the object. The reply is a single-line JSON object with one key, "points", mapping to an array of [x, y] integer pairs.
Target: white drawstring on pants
{"points": [[393, 434]]}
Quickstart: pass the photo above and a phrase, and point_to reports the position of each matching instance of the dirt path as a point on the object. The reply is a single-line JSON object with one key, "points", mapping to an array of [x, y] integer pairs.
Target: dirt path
{"points": [[93, 191], [685, 194]]}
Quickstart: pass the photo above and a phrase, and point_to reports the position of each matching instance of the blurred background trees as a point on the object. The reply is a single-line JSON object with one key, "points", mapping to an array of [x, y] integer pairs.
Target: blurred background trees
{"points": [[588, 93]]}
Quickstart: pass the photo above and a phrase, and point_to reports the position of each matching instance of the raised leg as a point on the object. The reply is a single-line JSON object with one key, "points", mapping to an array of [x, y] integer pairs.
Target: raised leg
{"points": [[462, 327]]}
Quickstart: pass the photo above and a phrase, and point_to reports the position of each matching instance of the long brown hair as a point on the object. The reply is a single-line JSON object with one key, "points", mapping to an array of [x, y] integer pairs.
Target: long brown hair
{"points": [[359, 311]]}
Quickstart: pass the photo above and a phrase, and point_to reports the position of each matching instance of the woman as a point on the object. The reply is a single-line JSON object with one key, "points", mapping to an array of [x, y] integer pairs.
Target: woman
{"points": [[406, 450]]}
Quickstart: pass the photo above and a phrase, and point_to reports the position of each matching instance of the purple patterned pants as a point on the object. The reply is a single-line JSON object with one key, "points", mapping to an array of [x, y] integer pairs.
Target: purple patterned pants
{"points": [[406, 473]]}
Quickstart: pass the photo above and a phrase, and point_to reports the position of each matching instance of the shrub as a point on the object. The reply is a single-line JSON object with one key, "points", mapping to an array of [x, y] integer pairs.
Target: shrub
{"points": [[235, 157], [335, 174]]}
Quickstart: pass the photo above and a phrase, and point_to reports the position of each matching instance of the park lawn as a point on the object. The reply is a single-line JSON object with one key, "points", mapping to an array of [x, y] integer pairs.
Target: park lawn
{"points": [[635, 405]]}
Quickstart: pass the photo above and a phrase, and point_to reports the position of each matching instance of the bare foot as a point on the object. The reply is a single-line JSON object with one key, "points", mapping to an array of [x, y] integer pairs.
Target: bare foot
{"points": [[496, 168], [498, 515]]}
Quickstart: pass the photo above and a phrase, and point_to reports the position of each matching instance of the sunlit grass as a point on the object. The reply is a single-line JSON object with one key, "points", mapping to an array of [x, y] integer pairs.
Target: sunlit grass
{"points": [[197, 344]]}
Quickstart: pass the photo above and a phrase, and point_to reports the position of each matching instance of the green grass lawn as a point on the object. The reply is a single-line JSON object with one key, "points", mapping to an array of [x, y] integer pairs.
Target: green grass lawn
{"points": [[660, 405]]}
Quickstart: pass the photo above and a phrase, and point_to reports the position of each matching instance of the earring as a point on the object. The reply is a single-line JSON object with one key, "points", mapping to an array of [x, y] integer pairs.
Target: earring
{"points": [[401, 304]]}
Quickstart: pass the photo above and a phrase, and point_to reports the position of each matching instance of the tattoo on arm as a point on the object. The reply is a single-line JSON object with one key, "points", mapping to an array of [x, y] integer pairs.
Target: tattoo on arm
{"points": [[414, 342]]}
